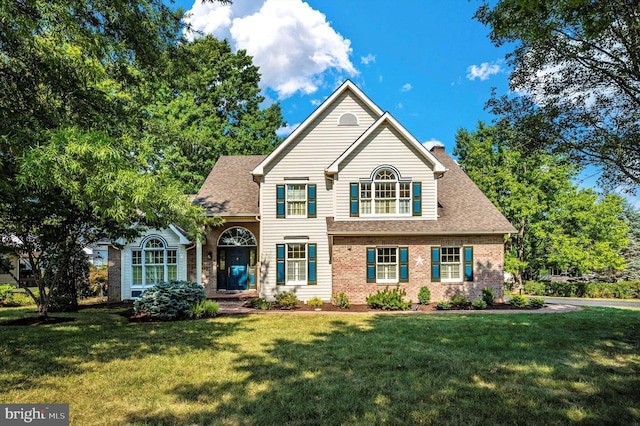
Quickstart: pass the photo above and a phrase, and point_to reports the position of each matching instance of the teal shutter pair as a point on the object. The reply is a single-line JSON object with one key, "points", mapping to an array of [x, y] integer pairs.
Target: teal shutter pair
{"points": [[354, 199], [467, 255], [312, 264], [403, 264], [281, 197]]}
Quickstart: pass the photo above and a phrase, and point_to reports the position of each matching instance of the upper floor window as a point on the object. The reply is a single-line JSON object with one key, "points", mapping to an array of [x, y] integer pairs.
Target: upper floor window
{"points": [[153, 263], [348, 119], [385, 194], [296, 200]]}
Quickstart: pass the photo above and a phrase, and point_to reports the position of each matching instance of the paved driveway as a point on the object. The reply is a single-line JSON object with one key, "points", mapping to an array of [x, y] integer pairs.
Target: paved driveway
{"points": [[576, 301]]}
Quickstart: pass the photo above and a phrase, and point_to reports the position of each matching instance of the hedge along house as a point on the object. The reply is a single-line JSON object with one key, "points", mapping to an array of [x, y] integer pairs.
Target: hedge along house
{"points": [[349, 202]]}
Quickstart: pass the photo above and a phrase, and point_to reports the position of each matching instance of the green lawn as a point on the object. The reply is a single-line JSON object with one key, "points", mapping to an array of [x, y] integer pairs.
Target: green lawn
{"points": [[283, 369]]}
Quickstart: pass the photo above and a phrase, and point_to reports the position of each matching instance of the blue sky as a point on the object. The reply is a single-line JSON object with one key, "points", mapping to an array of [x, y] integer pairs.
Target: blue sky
{"points": [[427, 62]]}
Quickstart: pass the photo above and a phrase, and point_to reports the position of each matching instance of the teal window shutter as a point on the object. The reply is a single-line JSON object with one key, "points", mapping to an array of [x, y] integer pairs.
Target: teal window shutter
{"points": [[371, 265], [313, 270], [280, 201], [280, 264], [311, 198], [417, 199], [404, 264], [468, 263], [435, 264], [354, 207]]}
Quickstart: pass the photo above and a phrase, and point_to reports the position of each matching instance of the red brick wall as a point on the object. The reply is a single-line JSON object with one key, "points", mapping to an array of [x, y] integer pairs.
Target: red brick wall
{"points": [[349, 266], [114, 275]]}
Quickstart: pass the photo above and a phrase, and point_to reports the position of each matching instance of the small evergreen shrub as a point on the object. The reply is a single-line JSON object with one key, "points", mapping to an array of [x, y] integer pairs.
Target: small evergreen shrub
{"points": [[536, 302], [479, 304], [341, 300], [488, 296], [6, 294], [389, 300], [534, 288], [518, 301], [458, 301], [204, 309], [315, 302], [444, 305], [424, 295], [287, 300], [260, 303], [169, 301]]}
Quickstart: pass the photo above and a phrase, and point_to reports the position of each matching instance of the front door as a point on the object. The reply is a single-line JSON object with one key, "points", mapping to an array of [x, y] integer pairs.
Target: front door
{"points": [[237, 268]]}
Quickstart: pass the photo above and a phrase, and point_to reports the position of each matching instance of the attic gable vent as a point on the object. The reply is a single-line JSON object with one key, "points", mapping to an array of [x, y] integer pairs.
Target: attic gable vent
{"points": [[348, 119]]}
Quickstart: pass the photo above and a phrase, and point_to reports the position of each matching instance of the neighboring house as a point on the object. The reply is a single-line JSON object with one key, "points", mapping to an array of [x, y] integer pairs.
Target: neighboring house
{"points": [[349, 202], [10, 271]]}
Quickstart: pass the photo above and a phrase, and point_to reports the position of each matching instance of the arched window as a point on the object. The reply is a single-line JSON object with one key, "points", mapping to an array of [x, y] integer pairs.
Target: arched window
{"points": [[385, 194], [153, 263], [348, 119], [237, 237]]}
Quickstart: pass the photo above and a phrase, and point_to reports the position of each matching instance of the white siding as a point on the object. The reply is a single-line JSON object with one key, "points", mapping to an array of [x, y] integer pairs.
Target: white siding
{"points": [[173, 242], [307, 157], [386, 147]]}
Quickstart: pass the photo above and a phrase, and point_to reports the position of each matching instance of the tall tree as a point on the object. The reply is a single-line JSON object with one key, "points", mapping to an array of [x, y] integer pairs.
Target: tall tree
{"points": [[74, 163], [576, 79], [559, 225], [631, 216], [208, 104]]}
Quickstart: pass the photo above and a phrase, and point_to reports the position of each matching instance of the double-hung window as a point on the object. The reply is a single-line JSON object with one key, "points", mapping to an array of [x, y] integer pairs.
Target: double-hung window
{"points": [[387, 265], [296, 263], [451, 264], [296, 200], [153, 263], [385, 194]]}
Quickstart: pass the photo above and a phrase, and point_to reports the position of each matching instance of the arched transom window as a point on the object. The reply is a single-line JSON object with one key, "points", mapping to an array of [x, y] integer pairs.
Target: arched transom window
{"points": [[385, 194], [153, 263], [237, 237]]}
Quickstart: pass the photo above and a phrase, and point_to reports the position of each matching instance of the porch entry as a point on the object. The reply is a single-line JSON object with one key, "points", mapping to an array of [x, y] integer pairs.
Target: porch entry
{"points": [[237, 258]]}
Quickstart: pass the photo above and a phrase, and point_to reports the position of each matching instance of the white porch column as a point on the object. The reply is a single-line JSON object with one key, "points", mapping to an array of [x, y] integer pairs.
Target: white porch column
{"points": [[199, 261]]}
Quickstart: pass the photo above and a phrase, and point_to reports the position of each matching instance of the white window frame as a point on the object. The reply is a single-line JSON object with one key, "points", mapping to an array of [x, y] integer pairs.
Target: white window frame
{"points": [[385, 267], [304, 262], [144, 252], [289, 202], [370, 193], [448, 262]]}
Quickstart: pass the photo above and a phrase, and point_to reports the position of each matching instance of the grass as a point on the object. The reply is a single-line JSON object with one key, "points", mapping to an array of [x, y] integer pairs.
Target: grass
{"points": [[359, 369]]}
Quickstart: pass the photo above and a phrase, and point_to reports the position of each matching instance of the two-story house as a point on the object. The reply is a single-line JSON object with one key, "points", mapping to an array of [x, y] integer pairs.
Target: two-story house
{"points": [[349, 202]]}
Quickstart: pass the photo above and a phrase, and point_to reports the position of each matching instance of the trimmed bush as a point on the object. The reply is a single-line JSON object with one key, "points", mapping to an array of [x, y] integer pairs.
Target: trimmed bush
{"points": [[458, 301], [536, 302], [535, 288], [488, 296], [6, 294], [169, 301], [341, 300], [287, 300], [260, 303], [444, 305], [315, 302], [204, 309], [479, 304], [518, 301], [424, 295], [389, 300]]}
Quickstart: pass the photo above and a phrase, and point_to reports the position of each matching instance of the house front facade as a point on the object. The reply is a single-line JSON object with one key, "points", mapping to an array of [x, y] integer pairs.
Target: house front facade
{"points": [[350, 202]]}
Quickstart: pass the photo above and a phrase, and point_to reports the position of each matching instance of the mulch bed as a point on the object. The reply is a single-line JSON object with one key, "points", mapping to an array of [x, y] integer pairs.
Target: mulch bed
{"points": [[38, 320], [416, 307]]}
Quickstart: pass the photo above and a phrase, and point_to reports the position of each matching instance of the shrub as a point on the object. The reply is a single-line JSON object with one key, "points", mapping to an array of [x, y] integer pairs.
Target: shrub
{"points": [[170, 300], [316, 302], [287, 300], [518, 301], [424, 295], [458, 301], [444, 305], [536, 302], [535, 288], [6, 294], [488, 296], [479, 304], [260, 303], [204, 309], [389, 300], [341, 300]]}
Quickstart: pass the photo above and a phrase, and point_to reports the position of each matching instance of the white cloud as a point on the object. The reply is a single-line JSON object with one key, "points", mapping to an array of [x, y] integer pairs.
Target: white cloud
{"points": [[285, 131], [431, 143], [292, 43], [483, 72], [406, 87], [366, 60]]}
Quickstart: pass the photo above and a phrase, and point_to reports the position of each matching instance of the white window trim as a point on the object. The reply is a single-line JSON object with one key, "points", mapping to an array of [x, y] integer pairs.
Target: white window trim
{"points": [[287, 282], [459, 263], [373, 182], [142, 249], [397, 266], [306, 199]]}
